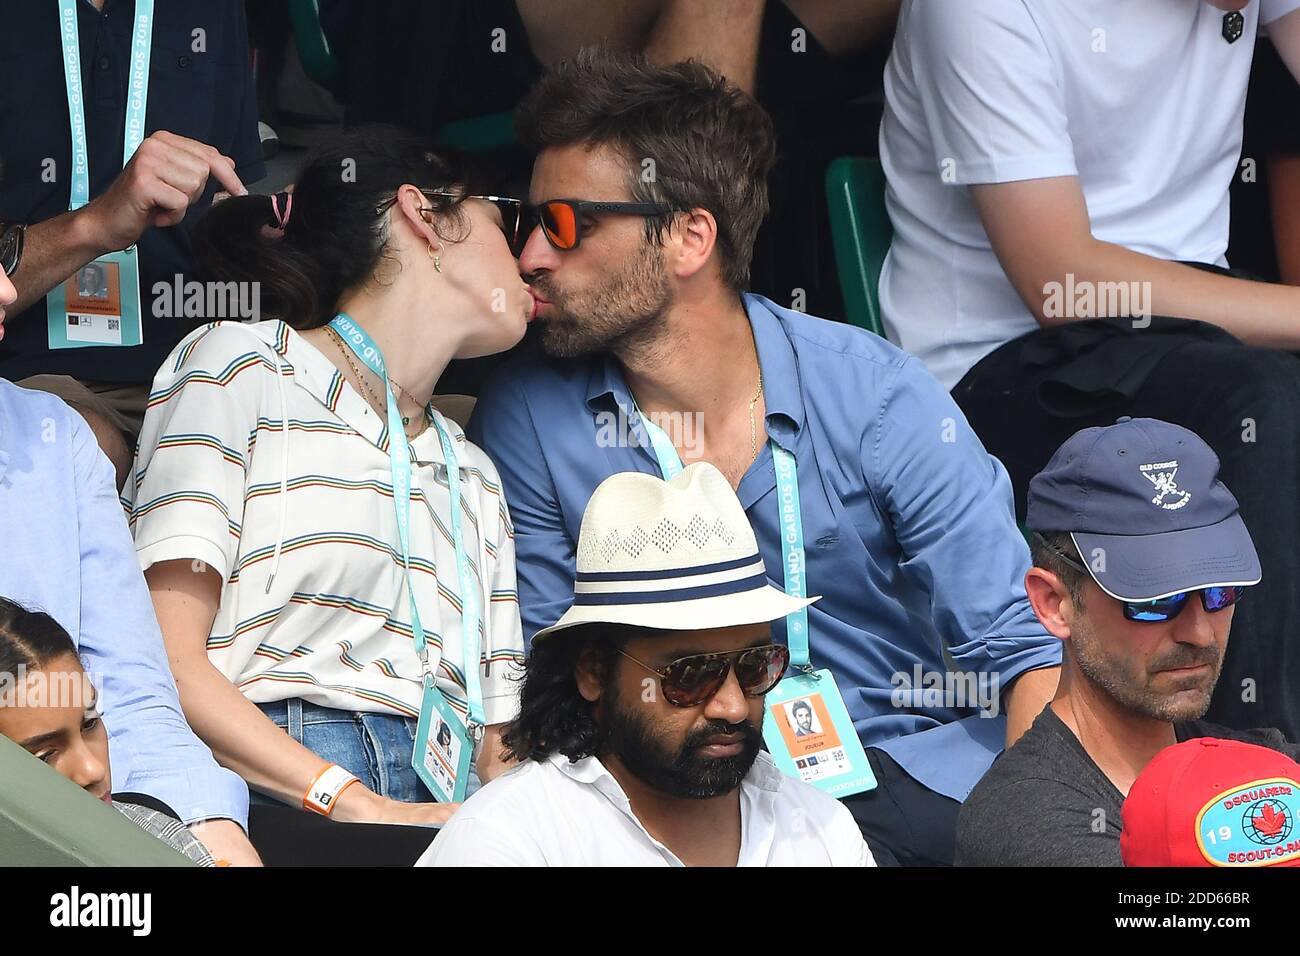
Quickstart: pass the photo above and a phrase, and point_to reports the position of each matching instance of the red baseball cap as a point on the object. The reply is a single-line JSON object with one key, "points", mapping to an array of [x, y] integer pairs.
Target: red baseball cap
{"points": [[1212, 802]]}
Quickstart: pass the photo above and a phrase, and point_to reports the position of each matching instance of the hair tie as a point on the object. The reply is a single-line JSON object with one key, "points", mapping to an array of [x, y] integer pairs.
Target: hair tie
{"points": [[282, 220]]}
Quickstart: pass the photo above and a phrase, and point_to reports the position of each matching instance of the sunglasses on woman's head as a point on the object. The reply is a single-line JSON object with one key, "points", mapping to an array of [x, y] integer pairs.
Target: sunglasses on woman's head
{"points": [[689, 681], [11, 248], [560, 218], [1165, 608], [511, 211]]}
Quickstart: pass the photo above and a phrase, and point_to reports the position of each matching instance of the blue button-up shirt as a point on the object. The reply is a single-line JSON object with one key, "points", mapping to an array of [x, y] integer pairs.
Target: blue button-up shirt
{"points": [[65, 550], [909, 530]]}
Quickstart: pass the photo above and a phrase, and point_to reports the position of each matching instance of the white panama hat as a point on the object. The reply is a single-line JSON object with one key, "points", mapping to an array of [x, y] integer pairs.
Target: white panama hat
{"points": [[675, 555]]}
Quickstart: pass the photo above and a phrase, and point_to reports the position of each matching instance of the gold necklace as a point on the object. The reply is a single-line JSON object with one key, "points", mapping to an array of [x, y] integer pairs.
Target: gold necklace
{"points": [[753, 427], [374, 399]]}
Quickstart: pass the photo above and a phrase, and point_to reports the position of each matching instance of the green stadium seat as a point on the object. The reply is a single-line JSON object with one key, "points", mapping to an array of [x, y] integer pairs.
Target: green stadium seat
{"points": [[478, 134], [861, 233], [318, 60]]}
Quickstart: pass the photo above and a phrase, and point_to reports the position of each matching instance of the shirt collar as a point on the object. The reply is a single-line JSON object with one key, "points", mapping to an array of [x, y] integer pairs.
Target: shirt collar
{"points": [[757, 800], [776, 358], [317, 375]]}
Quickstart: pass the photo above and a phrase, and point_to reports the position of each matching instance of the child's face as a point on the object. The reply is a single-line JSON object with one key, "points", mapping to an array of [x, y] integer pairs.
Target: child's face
{"points": [[53, 715]]}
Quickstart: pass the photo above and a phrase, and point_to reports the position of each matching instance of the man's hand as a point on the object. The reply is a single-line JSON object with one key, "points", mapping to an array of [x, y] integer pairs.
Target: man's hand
{"points": [[1025, 699], [167, 174], [226, 841]]}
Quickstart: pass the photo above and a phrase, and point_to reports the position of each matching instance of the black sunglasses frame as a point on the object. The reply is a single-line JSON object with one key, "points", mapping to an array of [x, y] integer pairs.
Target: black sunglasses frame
{"points": [[1133, 608], [590, 207], [728, 658], [511, 209], [11, 247]]}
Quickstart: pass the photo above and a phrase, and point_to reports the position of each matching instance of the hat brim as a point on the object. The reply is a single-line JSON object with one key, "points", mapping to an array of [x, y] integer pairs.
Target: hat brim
{"points": [[758, 606], [1153, 566]]}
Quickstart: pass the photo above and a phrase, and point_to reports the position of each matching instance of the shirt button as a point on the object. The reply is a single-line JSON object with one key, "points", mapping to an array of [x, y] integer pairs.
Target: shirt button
{"points": [[103, 63], [183, 62]]}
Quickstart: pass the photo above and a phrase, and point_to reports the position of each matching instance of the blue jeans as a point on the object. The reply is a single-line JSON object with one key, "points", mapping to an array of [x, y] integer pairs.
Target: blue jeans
{"points": [[375, 747]]}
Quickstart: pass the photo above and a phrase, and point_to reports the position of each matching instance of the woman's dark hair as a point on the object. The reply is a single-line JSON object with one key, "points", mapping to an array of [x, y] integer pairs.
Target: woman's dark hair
{"points": [[553, 715], [688, 138], [29, 639], [335, 237]]}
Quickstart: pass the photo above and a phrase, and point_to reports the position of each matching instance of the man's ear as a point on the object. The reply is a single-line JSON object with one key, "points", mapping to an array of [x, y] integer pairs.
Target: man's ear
{"points": [[589, 674], [696, 235], [1051, 601]]}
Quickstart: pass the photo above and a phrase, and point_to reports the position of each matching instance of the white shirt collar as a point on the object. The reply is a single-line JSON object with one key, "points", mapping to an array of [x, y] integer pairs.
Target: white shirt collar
{"points": [[757, 802]]}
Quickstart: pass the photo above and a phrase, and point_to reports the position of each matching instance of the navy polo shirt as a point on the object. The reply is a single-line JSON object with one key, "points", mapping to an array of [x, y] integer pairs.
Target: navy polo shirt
{"points": [[200, 85]]}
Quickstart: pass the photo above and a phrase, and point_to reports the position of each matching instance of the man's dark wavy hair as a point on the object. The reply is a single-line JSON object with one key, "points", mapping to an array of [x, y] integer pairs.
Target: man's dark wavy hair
{"points": [[553, 716], [688, 138]]}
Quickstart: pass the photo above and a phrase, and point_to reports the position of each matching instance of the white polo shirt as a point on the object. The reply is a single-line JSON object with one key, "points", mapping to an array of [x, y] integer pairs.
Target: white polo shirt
{"points": [[1141, 99], [557, 813], [219, 480]]}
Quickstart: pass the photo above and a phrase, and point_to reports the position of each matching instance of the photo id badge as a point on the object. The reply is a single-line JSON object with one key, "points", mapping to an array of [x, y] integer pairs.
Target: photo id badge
{"points": [[442, 748], [808, 731], [98, 305]]}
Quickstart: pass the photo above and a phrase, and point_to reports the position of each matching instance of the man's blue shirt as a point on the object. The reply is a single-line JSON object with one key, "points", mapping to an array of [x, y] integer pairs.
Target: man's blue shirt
{"points": [[909, 530]]}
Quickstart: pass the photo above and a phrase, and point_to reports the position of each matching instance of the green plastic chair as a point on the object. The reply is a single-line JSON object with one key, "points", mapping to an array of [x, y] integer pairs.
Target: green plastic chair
{"points": [[478, 134], [47, 820], [861, 233], [318, 60]]}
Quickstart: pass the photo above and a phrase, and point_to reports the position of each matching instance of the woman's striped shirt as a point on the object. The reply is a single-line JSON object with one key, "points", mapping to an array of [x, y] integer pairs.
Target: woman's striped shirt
{"points": [[334, 628]]}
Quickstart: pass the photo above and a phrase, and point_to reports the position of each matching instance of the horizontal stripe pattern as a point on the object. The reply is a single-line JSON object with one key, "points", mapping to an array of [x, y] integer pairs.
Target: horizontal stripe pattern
{"points": [[335, 626]]}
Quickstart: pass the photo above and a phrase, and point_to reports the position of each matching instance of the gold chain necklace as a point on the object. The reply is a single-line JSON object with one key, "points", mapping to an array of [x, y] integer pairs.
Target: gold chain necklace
{"points": [[753, 427], [374, 399]]}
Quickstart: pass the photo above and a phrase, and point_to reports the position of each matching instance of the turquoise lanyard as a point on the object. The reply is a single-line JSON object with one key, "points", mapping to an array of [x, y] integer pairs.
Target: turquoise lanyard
{"points": [[399, 457], [137, 98], [792, 552]]}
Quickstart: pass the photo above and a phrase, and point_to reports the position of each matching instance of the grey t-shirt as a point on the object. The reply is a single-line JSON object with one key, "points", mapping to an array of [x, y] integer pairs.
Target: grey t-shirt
{"points": [[1045, 802]]}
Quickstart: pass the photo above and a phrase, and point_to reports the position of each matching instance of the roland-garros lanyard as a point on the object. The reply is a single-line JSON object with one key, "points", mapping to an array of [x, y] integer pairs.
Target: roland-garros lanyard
{"points": [[137, 98], [364, 347], [792, 550]]}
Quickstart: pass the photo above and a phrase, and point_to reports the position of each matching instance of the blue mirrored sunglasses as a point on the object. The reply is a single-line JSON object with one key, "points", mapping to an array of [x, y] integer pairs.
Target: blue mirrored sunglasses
{"points": [[1168, 608], [1165, 608]]}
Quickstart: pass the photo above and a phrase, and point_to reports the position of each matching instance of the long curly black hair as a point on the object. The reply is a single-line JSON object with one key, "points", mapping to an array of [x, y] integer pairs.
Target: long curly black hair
{"points": [[553, 715]]}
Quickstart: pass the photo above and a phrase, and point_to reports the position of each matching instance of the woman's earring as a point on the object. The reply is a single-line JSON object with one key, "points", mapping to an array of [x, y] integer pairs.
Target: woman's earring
{"points": [[437, 259]]}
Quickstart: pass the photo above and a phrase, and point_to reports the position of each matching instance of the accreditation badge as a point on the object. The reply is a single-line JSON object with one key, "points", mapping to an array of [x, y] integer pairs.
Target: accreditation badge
{"points": [[808, 731], [442, 748], [99, 305]]}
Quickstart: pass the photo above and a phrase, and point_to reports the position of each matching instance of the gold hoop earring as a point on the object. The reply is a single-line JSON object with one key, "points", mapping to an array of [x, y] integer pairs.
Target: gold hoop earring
{"points": [[437, 259]]}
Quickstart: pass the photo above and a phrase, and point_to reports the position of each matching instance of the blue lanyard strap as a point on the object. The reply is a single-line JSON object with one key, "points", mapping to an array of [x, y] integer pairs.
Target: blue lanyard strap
{"points": [[137, 99], [399, 457], [792, 550]]}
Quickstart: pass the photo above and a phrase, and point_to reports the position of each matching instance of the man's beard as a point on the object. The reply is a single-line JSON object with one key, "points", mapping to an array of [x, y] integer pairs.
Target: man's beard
{"points": [[680, 772], [1132, 688], [624, 312]]}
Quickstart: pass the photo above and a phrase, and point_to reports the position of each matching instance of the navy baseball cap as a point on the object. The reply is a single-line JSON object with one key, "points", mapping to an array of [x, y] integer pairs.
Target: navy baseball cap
{"points": [[1147, 494]]}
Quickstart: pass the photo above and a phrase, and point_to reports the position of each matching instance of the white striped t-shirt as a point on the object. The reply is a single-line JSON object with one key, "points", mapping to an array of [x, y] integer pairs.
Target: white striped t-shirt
{"points": [[335, 627]]}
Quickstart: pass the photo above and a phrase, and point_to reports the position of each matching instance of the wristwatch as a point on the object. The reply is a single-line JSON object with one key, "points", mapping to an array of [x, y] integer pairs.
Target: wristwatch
{"points": [[11, 246]]}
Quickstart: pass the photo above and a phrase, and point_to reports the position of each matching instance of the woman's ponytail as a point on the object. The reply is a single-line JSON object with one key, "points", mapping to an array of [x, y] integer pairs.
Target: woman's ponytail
{"points": [[334, 236]]}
